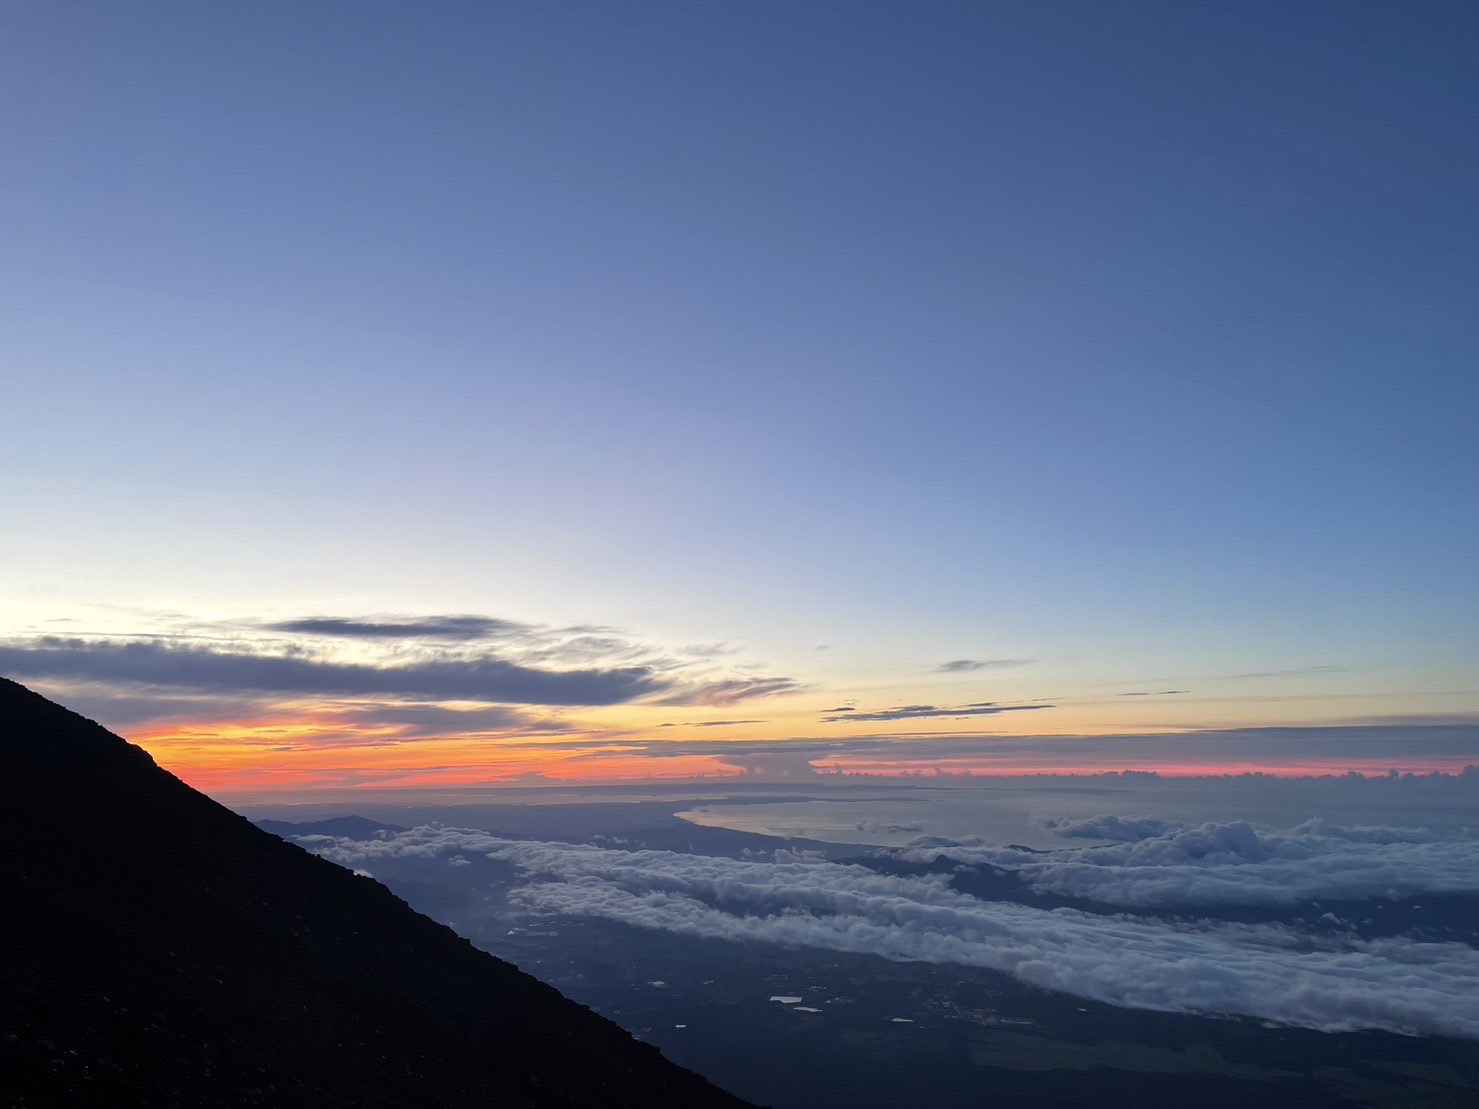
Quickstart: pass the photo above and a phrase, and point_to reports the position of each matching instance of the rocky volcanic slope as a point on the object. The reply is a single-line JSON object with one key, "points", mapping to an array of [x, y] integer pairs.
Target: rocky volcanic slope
{"points": [[158, 950]]}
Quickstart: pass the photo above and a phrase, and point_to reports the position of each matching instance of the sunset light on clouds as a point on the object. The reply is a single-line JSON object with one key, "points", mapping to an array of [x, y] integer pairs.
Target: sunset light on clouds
{"points": [[253, 707]]}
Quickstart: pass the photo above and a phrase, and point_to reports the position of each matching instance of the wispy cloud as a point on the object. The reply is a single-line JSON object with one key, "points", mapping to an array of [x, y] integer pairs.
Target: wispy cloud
{"points": [[966, 665], [924, 712], [730, 691], [534, 645], [1301, 671], [708, 650], [413, 721]]}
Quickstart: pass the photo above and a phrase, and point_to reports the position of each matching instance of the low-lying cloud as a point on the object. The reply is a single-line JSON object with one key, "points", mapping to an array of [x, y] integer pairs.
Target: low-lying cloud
{"points": [[1164, 864], [1265, 971]]}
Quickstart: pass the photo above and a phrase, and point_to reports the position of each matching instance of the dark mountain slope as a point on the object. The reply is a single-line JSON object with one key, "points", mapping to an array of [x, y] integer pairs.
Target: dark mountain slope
{"points": [[158, 950]]}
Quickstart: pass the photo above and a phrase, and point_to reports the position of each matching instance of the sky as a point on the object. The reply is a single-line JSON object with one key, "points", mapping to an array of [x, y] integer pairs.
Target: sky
{"points": [[418, 395]]}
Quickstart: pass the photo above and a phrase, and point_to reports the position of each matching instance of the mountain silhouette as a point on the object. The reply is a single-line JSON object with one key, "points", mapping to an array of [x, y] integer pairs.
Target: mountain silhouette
{"points": [[157, 949]]}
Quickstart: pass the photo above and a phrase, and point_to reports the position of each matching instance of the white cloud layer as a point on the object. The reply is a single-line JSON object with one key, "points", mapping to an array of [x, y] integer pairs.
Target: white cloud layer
{"points": [[1264, 971], [1166, 864]]}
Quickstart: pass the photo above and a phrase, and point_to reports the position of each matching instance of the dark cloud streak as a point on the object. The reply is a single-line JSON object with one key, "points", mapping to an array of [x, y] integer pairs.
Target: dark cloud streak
{"points": [[485, 678], [427, 627], [924, 712], [966, 665]]}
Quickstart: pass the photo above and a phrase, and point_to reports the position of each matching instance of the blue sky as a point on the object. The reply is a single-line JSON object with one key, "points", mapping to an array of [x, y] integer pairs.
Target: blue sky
{"points": [[1134, 340]]}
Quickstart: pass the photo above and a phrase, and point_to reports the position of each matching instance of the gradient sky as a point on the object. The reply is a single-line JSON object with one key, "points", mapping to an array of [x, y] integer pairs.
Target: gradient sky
{"points": [[1057, 369]]}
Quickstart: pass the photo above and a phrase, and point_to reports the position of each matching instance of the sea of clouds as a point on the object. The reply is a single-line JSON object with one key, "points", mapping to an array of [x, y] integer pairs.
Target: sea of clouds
{"points": [[1160, 864], [1268, 971]]}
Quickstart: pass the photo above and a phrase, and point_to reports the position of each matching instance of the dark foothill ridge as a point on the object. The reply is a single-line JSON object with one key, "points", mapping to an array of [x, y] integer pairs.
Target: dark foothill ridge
{"points": [[156, 949]]}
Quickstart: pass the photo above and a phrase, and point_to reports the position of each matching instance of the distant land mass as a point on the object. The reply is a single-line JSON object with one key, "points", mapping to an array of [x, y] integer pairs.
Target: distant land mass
{"points": [[158, 950]]}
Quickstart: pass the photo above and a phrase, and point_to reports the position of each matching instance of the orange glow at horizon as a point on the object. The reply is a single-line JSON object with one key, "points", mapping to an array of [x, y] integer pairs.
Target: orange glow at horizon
{"points": [[275, 754], [317, 751]]}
